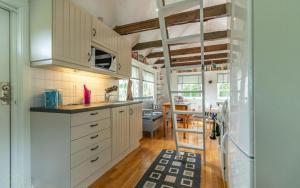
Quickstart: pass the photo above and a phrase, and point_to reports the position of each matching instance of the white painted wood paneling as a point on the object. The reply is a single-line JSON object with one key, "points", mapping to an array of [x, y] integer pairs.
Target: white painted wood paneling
{"points": [[4, 109]]}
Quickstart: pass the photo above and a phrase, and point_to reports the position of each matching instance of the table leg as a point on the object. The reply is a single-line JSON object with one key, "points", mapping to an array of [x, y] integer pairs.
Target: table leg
{"points": [[164, 121], [213, 131]]}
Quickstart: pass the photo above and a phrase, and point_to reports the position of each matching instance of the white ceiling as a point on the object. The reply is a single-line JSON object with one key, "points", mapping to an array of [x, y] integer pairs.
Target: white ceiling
{"points": [[120, 12]]}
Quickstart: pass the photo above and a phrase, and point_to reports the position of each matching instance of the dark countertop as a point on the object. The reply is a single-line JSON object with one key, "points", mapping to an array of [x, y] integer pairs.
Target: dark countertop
{"points": [[71, 109]]}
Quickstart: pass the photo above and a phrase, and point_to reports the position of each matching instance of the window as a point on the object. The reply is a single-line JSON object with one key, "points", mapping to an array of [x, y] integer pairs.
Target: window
{"points": [[223, 86], [135, 78], [148, 84], [190, 84], [123, 90]]}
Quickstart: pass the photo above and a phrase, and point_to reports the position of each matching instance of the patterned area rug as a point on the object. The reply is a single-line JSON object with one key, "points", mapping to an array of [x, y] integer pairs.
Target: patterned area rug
{"points": [[172, 171]]}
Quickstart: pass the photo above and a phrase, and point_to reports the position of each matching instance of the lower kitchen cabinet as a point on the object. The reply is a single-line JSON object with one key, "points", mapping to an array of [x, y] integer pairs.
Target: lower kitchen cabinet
{"points": [[135, 124], [120, 129], [66, 149], [72, 150]]}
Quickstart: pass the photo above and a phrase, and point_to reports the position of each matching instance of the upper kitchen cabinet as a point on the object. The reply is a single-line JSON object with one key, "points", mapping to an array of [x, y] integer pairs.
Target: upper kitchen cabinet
{"points": [[103, 36], [124, 57], [60, 34]]}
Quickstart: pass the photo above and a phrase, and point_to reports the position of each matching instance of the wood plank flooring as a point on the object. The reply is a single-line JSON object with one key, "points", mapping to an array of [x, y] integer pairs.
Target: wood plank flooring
{"points": [[128, 171]]}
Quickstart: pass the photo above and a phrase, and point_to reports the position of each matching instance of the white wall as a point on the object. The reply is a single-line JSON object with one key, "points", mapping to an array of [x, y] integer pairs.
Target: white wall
{"points": [[100, 8]]}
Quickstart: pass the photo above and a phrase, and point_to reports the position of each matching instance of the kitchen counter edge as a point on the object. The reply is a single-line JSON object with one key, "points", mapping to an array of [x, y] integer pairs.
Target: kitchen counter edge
{"points": [[72, 109]]}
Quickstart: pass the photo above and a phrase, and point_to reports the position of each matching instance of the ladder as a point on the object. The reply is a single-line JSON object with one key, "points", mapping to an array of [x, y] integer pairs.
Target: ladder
{"points": [[165, 10]]}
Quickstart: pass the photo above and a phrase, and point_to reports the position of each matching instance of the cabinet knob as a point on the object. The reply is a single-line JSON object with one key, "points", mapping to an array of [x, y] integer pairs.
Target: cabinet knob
{"points": [[94, 32], [121, 111]]}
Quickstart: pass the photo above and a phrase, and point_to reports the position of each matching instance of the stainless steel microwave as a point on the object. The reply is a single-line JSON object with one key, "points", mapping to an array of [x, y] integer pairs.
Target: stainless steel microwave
{"points": [[103, 60]]}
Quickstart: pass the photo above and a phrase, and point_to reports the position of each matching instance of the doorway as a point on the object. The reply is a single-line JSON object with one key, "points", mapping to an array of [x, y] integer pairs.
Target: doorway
{"points": [[5, 109]]}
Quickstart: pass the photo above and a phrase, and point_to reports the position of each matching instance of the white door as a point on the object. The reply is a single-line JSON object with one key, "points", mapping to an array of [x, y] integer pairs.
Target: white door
{"points": [[4, 108]]}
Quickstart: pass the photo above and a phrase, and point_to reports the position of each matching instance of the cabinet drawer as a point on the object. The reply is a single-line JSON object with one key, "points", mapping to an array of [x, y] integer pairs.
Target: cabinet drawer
{"points": [[89, 140], [90, 151], [86, 169], [89, 128], [91, 116]]}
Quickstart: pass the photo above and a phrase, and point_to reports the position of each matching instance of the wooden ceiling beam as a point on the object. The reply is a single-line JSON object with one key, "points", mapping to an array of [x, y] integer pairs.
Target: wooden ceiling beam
{"points": [[195, 58], [187, 51], [192, 16], [158, 43], [207, 62]]}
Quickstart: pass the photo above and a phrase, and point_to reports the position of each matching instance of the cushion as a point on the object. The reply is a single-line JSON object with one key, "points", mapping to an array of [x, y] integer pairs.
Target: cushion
{"points": [[153, 117]]}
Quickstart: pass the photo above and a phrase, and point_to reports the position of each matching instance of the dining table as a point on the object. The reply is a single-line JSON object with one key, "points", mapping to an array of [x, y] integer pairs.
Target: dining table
{"points": [[210, 113]]}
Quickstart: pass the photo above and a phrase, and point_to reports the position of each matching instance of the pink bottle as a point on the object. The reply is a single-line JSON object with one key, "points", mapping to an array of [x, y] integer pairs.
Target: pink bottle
{"points": [[86, 95]]}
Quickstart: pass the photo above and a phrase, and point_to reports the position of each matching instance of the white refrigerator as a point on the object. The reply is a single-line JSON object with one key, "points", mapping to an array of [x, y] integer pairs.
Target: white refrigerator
{"points": [[263, 127], [240, 140]]}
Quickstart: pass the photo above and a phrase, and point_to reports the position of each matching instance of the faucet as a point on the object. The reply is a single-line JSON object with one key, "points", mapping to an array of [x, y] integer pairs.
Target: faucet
{"points": [[108, 92], [107, 96]]}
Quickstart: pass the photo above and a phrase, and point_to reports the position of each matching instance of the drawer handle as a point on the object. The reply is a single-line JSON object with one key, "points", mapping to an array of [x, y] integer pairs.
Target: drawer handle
{"points": [[94, 113], [121, 111], [92, 149], [94, 125], [94, 160], [93, 137]]}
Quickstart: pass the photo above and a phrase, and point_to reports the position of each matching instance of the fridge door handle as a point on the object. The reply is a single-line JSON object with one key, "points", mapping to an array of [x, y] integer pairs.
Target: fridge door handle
{"points": [[223, 143]]}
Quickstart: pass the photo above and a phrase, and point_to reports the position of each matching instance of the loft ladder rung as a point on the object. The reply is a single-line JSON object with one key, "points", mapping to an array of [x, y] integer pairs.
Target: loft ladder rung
{"points": [[186, 112], [177, 92], [184, 39], [170, 9], [191, 146], [190, 130]]}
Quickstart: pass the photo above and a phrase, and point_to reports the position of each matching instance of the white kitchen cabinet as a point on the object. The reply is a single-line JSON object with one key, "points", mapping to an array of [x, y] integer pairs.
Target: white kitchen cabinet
{"points": [[103, 36], [60, 34], [120, 131], [68, 149], [124, 57], [135, 122]]}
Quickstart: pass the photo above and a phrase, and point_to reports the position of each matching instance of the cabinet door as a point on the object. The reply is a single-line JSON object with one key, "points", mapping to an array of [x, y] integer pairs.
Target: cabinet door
{"points": [[86, 38], [135, 125], [61, 29], [124, 57], [120, 135], [104, 36]]}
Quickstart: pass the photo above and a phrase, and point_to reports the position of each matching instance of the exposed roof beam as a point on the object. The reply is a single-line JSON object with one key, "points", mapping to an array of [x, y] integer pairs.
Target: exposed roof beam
{"points": [[176, 19], [195, 58], [207, 62], [187, 51], [158, 43]]}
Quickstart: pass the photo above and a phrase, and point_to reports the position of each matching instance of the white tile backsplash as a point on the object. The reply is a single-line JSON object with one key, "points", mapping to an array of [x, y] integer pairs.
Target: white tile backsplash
{"points": [[71, 85]]}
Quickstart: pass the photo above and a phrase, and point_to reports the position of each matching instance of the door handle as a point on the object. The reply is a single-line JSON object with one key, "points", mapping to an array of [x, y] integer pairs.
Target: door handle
{"points": [[223, 143], [5, 93], [94, 32], [89, 57], [119, 66]]}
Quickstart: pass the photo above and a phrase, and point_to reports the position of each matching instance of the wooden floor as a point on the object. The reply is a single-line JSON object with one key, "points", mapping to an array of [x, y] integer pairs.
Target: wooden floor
{"points": [[128, 171]]}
